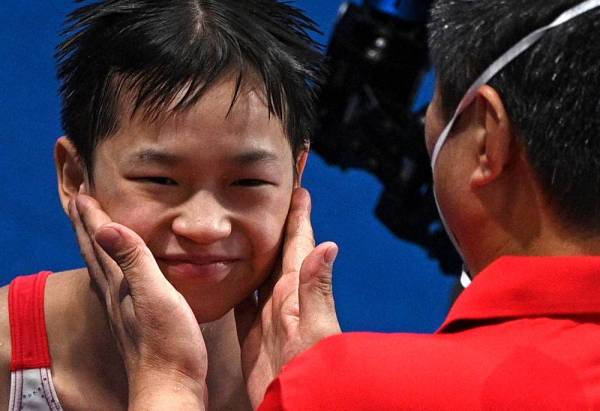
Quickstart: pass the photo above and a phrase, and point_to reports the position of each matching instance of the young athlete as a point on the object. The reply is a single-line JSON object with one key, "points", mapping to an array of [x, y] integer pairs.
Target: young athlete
{"points": [[516, 163], [188, 122]]}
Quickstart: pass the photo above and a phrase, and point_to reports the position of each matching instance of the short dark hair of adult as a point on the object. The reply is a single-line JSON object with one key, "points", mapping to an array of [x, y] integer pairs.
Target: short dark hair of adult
{"points": [[169, 52], [550, 92]]}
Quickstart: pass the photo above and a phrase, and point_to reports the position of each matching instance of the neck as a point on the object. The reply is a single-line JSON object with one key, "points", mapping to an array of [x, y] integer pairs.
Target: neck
{"points": [[514, 217], [225, 381]]}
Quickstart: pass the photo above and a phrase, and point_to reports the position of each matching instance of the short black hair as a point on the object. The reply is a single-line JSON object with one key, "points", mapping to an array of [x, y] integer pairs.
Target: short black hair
{"points": [[169, 52], [550, 92]]}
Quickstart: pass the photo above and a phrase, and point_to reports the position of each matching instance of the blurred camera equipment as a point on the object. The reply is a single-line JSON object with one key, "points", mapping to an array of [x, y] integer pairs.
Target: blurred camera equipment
{"points": [[367, 119]]}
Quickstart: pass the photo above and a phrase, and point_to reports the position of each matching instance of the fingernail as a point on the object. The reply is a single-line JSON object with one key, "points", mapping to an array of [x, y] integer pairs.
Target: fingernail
{"points": [[108, 238], [330, 255]]}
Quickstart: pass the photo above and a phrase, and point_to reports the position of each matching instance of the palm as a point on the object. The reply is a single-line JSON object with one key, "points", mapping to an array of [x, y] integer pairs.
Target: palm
{"points": [[272, 339], [289, 317], [137, 296]]}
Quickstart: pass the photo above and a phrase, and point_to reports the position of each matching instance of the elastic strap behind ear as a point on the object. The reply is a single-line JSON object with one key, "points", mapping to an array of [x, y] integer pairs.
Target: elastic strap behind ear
{"points": [[487, 75]]}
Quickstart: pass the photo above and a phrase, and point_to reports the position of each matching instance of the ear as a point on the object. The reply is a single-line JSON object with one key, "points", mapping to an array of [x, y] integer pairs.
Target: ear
{"points": [[495, 139], [301, 165], [69, 170]]}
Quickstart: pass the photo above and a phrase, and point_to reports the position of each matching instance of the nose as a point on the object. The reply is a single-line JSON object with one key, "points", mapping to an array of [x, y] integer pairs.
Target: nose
{"points": [[202, 219]]}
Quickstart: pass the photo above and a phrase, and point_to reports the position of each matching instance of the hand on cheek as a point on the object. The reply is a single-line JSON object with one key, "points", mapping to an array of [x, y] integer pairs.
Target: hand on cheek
{"points": [[295, 308], [156, 332]]}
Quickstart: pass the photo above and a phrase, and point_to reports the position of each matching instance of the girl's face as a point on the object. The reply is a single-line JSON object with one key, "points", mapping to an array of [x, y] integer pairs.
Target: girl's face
{"points": [[208, 190]]}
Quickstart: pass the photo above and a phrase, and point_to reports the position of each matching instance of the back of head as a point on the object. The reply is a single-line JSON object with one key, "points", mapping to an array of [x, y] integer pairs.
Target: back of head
{"points": [[550, 92], [169, 52]]}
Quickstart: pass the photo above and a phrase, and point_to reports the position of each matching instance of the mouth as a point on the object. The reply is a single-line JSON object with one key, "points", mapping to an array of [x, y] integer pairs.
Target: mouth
{"points": [[212, 268]]}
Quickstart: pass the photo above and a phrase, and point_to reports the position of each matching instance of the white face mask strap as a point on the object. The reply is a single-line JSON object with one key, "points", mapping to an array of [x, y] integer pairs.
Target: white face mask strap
{"points": [[487, 75], [504, 60]]}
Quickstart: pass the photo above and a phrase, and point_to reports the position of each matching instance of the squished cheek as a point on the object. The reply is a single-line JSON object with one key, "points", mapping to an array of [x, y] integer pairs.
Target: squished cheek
{"points": [[141, 219], [267, 235], [267, 229]]}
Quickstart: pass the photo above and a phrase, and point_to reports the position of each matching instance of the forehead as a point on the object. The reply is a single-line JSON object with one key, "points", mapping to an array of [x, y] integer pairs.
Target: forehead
{"points": [[216, 124]]}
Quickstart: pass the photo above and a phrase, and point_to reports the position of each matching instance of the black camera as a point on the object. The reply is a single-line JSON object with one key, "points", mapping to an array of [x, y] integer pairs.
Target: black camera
{"points": [[366, 120]]}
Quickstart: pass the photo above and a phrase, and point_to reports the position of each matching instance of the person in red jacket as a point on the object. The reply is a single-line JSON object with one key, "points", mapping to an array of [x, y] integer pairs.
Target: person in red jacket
{"points": [[513, 136]]}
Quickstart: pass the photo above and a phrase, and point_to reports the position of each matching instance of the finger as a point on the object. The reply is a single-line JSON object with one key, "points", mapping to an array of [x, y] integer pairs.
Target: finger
{"points": [[93, 218], [96, 222], [92, 215], [133, 257], [86, 246], [104, 272], [117, 296], [315, 293], [246, 314], [143, 284], [299, 237]]}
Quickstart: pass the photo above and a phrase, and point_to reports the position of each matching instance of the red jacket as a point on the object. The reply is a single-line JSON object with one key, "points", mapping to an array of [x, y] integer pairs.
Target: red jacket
{"points": [[524, 336]]}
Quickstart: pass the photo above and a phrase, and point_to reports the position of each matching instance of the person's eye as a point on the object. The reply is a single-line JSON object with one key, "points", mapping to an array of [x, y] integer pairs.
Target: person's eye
{"points": [[159, 180], [251, 182]]}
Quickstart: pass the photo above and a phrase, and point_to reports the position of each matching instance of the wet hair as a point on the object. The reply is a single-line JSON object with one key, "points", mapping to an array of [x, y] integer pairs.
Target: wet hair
{"points": [[168, 53], [550, 92]]}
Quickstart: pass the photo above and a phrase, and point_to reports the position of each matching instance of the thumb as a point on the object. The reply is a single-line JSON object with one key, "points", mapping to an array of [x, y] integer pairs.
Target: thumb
{"points": [[131, 254], [315, 293]]}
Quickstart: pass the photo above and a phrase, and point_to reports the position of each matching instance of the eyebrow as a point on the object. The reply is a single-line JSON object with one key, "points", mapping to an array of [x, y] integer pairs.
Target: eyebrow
{"points": [[150, 156], [154, 156], [255, 156]]}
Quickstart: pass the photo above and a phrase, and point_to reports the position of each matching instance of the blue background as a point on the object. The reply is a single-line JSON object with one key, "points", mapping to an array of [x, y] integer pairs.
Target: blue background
{"points": [[381, 283]]}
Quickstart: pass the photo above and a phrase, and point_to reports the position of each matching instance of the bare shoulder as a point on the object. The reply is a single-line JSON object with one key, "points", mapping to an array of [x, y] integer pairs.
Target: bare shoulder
{"points": [[5, 349], [5, 337]]}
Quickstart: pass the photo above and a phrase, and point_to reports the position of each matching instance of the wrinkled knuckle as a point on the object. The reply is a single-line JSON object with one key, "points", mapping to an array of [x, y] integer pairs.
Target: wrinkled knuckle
{"points": [[130, 258], [298, 220], [294, 224], [323, 286]]}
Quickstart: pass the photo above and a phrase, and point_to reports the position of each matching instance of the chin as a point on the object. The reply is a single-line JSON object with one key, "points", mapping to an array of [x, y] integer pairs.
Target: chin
{"points": [[209, 314], [211, 303], [207, 304]]}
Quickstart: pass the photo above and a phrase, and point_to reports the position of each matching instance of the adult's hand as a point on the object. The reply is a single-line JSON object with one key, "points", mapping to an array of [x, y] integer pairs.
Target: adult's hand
{"points": [[294, 311], [156, 331]]}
